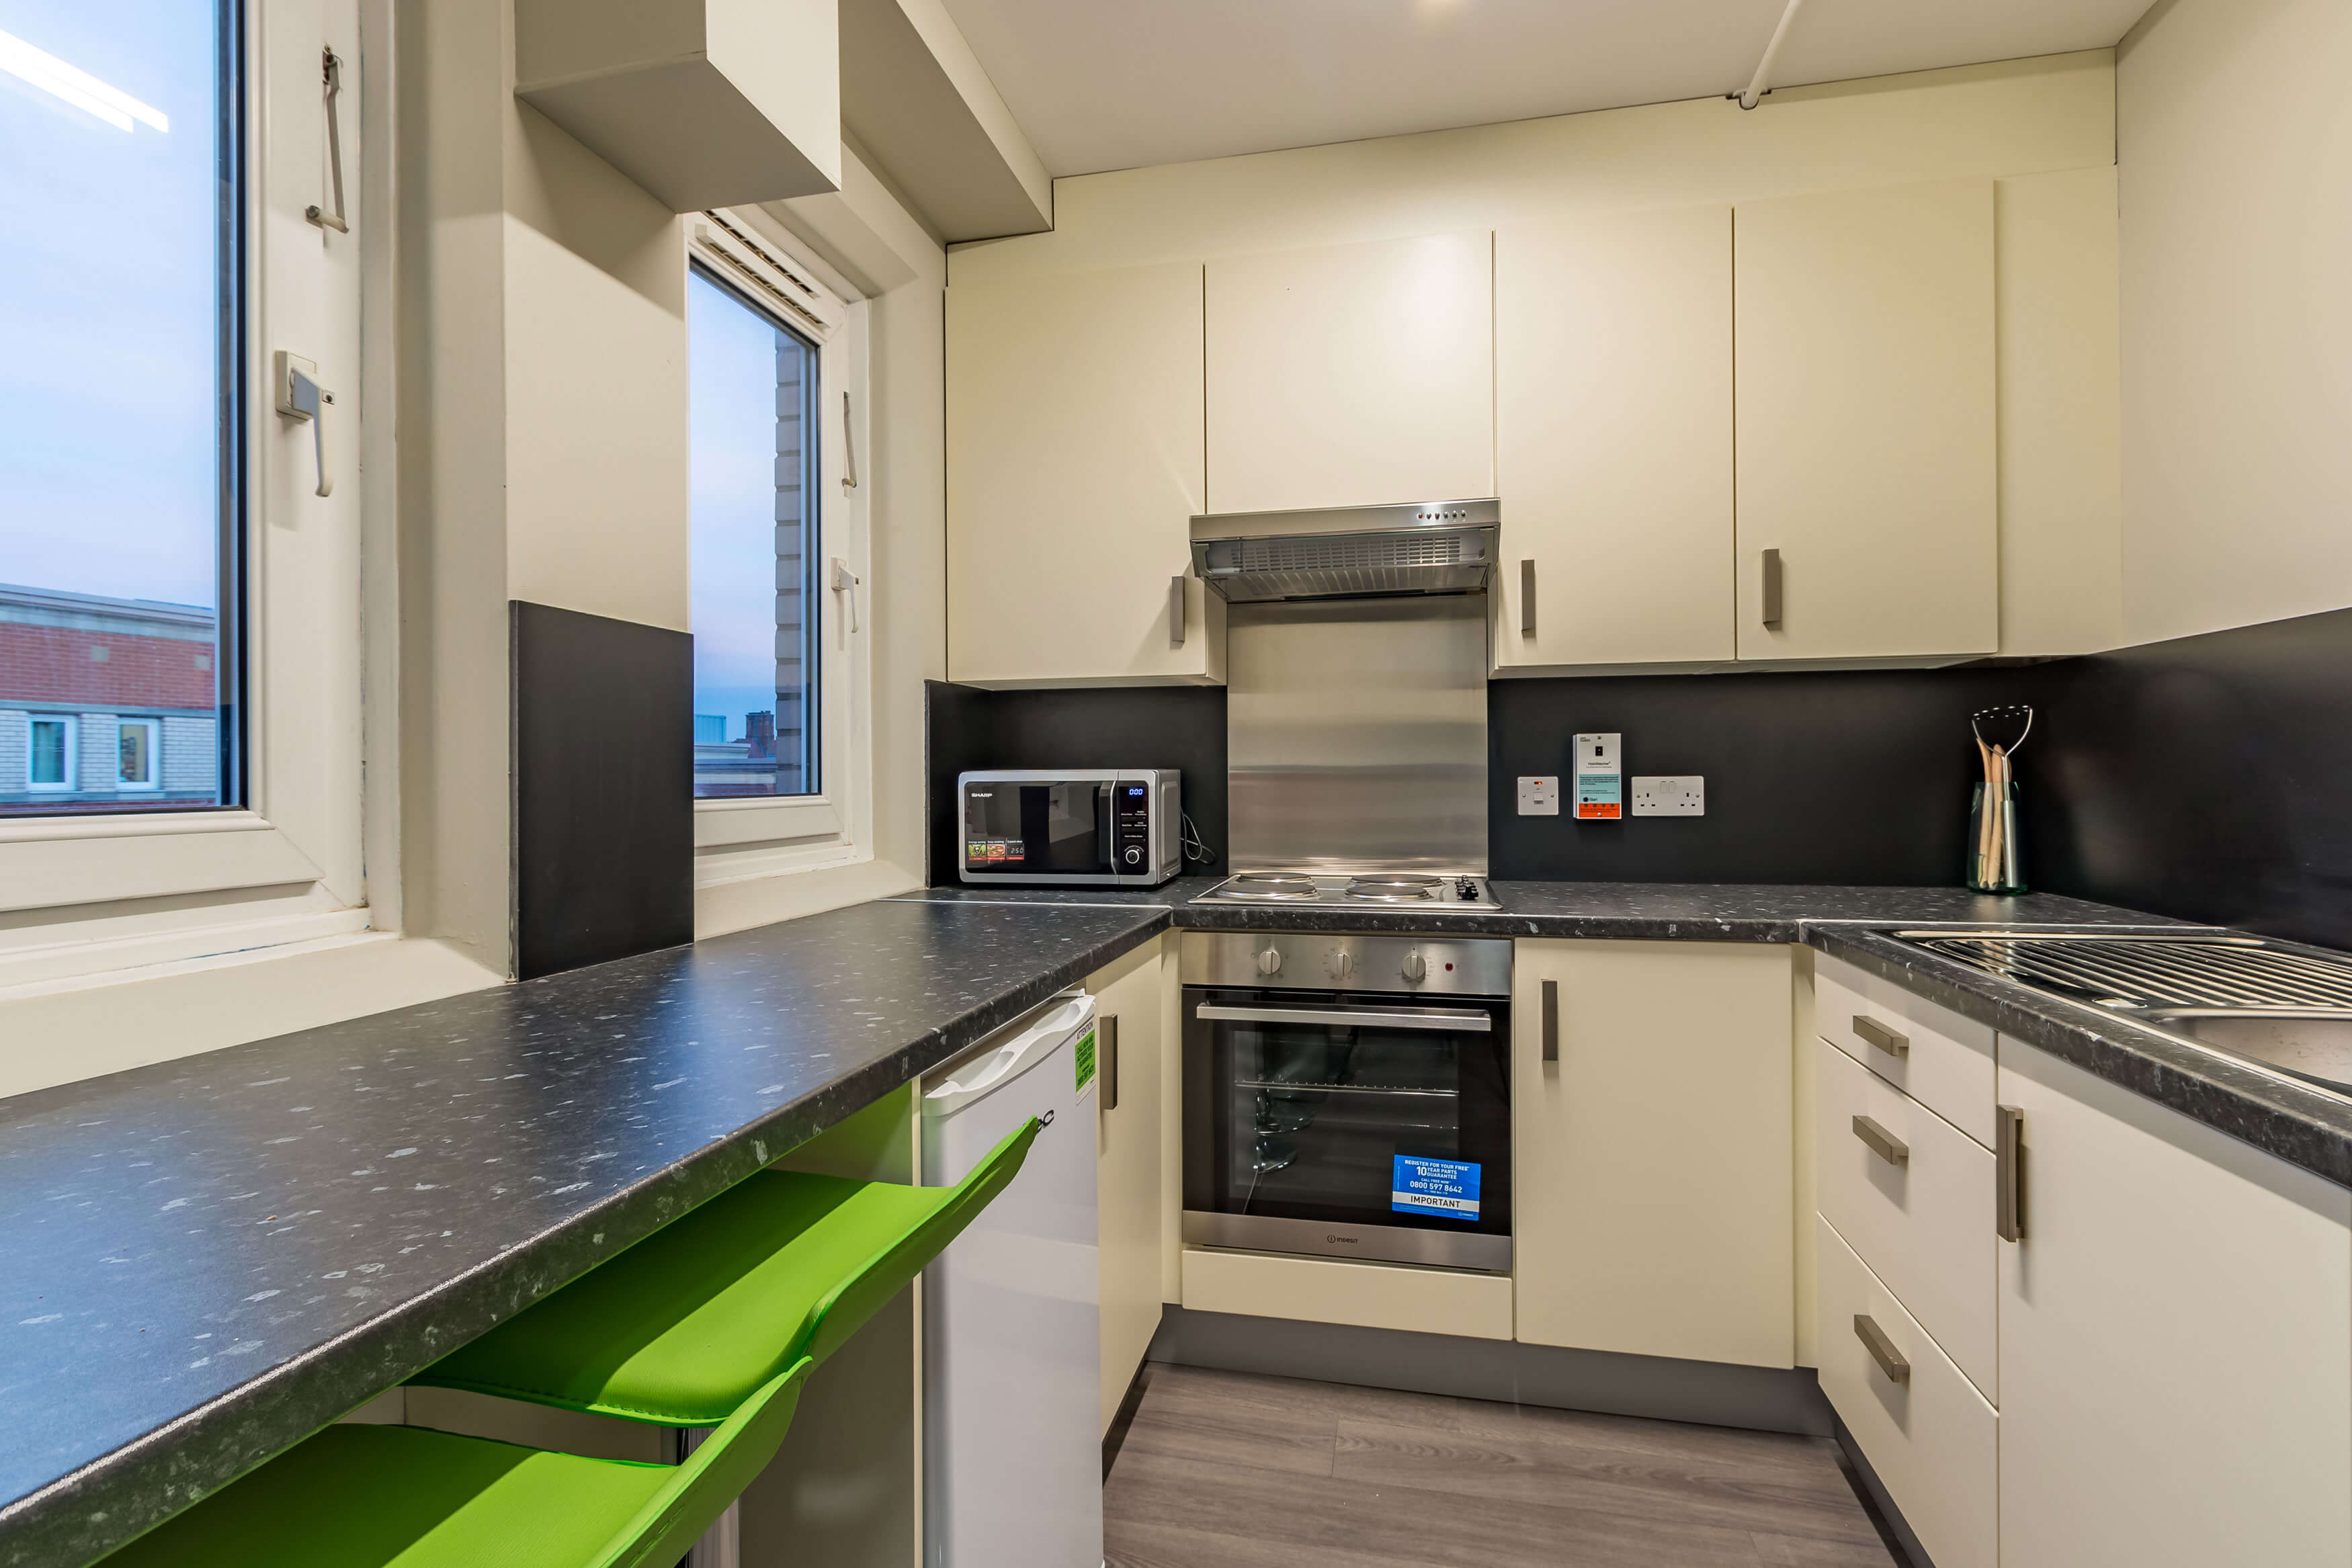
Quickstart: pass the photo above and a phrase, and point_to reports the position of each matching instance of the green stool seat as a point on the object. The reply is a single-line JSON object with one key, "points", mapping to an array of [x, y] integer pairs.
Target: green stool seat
{"points": [[684, 1326], [404, 1497]]}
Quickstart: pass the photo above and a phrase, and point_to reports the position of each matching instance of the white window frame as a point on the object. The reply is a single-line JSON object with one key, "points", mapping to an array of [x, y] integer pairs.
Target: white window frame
{"points": [[183, 883], [72, 780], [153, 782], [735, 838]]}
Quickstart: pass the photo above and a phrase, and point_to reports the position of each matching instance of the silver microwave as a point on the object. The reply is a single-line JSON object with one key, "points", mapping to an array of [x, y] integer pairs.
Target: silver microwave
{"points": [[1112, 827]]}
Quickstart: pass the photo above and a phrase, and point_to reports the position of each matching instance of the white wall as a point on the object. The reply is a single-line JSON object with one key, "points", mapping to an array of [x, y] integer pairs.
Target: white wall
{"points": [[2043, 128], [2235, 142]]}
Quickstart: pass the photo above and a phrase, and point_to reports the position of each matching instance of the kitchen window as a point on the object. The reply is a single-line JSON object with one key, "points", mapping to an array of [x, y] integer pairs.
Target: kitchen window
{"points": [[118, 465], [777, 521], [187, 185], [754, 389]]}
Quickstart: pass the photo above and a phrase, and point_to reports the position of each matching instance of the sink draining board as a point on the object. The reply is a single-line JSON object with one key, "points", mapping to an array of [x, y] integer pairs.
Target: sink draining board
{"points": [[2183, 976]]}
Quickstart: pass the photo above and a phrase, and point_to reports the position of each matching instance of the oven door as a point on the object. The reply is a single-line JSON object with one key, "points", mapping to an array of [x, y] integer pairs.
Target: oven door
{"points": [[1039, 830], [1349, 1125]]}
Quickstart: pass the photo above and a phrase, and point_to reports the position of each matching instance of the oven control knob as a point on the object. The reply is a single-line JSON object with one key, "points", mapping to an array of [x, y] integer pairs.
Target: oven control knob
{"points": [[1134, 854], [1270, 961], [1415, 965], [1343, 963]]}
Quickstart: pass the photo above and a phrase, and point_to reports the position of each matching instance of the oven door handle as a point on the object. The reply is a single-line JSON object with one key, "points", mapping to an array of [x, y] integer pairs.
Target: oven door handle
{"points": [[1450, 1020]]}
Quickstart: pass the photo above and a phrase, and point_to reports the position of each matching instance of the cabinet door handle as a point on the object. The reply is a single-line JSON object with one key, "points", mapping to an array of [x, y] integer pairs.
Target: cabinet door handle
{"points": [[1772, 589], [1883, 1143], [1526, 599], [1176, 610], [1872, 1032], [1881, 1349], [1107, 1059], [2009, 1173], [1551, 1020]]}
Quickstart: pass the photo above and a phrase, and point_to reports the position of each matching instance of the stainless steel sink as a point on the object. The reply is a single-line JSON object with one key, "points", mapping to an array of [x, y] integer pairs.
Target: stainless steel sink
{"points": [[2280, 1008]]}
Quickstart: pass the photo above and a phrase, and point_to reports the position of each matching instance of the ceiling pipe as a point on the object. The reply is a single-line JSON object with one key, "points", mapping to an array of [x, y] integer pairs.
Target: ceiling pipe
{"points": [[1759, 84]]}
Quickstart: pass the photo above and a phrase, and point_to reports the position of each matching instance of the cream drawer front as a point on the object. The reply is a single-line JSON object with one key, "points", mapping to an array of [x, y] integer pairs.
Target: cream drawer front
{"points": [[1914, 1198], [1931, 1437], [1932, 1053]]}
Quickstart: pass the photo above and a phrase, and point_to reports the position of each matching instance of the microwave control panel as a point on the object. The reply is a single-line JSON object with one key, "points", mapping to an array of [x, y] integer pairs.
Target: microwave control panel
{"points": [[1130, 835]]}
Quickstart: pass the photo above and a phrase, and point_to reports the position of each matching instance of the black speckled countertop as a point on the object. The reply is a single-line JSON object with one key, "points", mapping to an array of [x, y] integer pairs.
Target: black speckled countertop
{"points": [[209, 1258], [1705, 912]]}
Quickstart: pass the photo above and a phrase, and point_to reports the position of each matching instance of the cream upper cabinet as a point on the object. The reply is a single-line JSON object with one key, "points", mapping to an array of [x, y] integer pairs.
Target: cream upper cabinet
{"points": [[1351, 375], [2176, 1340], [1613, 440], [1866, 466], [1128, 998], [1653, 1203], [1074, 468]]}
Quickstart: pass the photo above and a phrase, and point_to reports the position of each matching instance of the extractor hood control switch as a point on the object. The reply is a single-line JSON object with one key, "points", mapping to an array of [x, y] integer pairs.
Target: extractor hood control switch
{"points": [[1270, 961], [1415, 965]]}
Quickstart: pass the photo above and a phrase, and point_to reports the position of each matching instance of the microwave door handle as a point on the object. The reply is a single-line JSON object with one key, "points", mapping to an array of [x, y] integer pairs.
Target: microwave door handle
{"points": [[1449, 1020], [1106, 852]]}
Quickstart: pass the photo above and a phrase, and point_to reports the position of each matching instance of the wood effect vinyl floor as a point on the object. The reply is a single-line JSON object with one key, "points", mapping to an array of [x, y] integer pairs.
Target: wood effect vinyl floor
{"points": [[1222, 1469]]}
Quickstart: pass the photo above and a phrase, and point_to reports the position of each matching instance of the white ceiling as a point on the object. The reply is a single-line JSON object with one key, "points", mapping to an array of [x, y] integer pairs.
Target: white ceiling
{"points": [[1117, 84]]}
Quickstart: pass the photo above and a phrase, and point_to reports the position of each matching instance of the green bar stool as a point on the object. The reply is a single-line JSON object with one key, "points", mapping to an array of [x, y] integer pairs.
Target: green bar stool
{"points": [[686, 1325], [404, 1497]]}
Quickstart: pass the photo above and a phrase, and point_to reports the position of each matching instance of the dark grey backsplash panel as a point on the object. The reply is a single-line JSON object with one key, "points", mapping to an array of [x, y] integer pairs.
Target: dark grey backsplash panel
{"points": [[1116, 727], [2208, 777], [603, 732], [1833, 777]]}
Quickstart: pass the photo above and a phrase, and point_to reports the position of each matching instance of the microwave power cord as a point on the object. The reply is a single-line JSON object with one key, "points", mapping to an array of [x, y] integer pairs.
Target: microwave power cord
{"points": [[1198, 852]]}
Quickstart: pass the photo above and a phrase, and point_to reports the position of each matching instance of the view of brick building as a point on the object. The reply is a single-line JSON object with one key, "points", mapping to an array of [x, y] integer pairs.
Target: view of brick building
{"points": [[105, 704]]}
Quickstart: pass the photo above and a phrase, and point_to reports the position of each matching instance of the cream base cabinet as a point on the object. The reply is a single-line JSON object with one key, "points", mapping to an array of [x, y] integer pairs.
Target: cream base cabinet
{"points": [[1128, 998], [1613, 440], [1352, 375], [1075, 457], [1652, 1204], [1869, 524], [2176, 1340]]}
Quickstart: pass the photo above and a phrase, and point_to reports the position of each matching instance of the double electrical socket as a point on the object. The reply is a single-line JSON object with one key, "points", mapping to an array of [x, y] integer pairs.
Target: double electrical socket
{"points": [[1669, 795]]}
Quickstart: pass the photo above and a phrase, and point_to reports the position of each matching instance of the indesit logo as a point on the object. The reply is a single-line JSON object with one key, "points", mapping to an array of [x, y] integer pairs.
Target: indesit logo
{"points": [[1338, 1240]]}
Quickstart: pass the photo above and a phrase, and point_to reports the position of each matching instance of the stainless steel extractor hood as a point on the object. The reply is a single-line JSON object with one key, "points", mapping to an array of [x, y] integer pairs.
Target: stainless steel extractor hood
{"points": [[1347, 552]]}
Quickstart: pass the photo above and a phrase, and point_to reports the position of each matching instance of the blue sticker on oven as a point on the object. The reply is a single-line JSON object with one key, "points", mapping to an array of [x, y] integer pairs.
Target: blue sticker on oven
{"points": [[1423, 1186]]}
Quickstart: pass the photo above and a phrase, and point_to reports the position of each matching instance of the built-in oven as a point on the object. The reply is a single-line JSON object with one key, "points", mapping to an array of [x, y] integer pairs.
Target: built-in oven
{"points": [[1349, 1095]]}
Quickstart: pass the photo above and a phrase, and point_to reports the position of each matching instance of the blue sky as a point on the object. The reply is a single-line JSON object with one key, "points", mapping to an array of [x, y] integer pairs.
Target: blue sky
{"points": [[107, 445], [731, 382]]}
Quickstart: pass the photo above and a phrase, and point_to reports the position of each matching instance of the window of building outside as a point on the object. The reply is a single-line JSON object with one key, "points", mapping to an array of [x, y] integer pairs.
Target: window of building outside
{"points": [[118, 481], [753, 424]]}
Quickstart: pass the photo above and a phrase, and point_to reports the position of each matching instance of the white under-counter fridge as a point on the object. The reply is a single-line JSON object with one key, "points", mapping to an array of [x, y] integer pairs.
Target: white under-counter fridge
{"points": [[1012, 1310]]}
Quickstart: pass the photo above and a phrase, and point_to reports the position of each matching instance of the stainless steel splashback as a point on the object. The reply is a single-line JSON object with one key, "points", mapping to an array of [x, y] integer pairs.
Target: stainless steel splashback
{"points": [[1356, 733]]}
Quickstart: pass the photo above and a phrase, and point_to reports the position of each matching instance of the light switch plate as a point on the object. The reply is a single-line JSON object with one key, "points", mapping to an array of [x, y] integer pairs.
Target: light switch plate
{"points": [[1539, 796], [1669, 795]]}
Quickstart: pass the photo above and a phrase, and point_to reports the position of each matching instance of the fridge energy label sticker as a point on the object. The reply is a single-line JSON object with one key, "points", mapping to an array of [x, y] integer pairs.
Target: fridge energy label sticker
{"points": [[1085, 1054], [1423, 1186]]}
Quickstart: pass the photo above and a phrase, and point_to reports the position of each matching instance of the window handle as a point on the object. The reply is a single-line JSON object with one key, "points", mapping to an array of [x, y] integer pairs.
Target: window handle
{"points": [[331, 65], [300, 396], [848, 448], [845, 582]]}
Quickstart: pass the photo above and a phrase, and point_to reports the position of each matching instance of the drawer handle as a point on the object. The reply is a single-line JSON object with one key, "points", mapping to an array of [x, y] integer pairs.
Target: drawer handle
{"points": [[1883, 1143], [1876, 1033], [2009, 1173], [1881, 1349]]}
